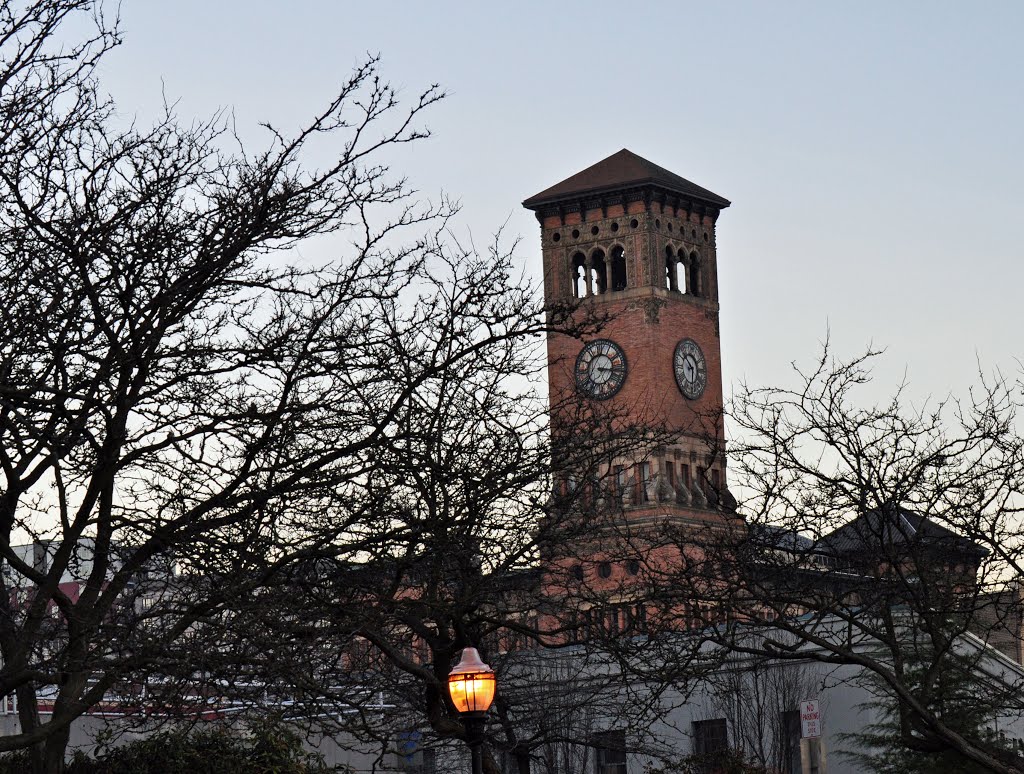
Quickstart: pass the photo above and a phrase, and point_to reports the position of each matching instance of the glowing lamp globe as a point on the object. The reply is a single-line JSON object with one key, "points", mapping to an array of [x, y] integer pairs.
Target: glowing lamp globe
{"points": [[471, 683]]}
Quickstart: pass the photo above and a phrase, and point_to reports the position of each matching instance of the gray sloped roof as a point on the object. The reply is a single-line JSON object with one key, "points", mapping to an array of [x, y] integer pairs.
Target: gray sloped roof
{"points": [[780, 538], [891, 526]]}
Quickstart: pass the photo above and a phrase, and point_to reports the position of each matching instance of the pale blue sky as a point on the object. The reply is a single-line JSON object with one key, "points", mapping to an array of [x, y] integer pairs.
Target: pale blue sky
{"points": [[872, 151]]}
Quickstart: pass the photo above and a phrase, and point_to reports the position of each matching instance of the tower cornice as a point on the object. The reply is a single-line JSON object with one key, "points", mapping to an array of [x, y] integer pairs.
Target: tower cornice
{"points": [[621, 178], [623, 196]]}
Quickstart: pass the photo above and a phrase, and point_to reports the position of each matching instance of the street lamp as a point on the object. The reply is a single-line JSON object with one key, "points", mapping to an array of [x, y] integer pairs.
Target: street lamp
{"points": [[471, 685]]}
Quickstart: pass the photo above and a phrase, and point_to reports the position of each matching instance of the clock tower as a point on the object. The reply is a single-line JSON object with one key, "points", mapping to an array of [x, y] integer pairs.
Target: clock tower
{"points": [[632, 245]]}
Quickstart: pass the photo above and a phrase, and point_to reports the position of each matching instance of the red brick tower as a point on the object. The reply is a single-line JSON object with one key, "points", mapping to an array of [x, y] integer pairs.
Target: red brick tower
{"points": [[633, 241]]}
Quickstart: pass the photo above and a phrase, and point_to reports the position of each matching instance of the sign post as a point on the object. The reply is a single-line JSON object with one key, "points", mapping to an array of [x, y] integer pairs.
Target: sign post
{"points": [[812, 752]]}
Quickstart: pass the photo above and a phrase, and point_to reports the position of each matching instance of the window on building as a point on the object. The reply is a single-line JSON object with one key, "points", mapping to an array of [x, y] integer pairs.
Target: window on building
{"points": [[574, 631], [580, 287], [692, 615], [411, 758], [640, 617], [715, 487], [611, 620], [618, 269], [429, 764], [645, 477], [710, 744], [790, 742], [610, 752], [598, 273]]}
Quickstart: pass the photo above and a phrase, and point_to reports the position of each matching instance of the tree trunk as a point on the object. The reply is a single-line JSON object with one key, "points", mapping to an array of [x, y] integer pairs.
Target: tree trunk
{"points": [[490, 766], [28, 718], [55, 747]]}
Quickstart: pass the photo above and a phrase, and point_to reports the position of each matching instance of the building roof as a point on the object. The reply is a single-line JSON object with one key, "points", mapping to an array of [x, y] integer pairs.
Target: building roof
{"points": [[623, 170], [894, 525], [780, 538]]}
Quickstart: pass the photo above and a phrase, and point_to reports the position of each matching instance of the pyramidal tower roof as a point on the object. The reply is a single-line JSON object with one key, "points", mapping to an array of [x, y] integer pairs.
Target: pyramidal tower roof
{"points": [[623, 170]]}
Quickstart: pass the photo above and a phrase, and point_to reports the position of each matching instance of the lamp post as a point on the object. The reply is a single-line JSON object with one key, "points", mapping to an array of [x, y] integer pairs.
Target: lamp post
{"points": [[471, 685]]}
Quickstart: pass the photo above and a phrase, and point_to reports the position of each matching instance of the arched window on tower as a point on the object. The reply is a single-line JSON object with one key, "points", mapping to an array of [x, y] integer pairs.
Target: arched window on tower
{"points": [[618, 268], [676, 271], [579, 276], [598, 273], [694, 275]]}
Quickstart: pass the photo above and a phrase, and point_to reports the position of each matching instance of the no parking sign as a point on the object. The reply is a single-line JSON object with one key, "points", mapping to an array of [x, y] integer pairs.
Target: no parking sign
{"points": [[810, 719]]}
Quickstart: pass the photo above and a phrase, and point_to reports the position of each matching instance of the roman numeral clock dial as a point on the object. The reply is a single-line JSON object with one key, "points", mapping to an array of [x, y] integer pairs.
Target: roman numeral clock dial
{"points": [[690, 369], [600, 369]]}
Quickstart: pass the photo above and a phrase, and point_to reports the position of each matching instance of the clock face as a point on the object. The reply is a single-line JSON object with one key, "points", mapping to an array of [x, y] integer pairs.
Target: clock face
{"points": [[600, 369], [690, 369]]}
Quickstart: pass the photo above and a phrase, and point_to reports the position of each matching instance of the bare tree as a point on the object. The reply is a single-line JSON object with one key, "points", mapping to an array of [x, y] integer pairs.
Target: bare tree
{"points": [[756, 695], [464, 507], [191, 426], [228, 481], [875, 536]]}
